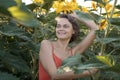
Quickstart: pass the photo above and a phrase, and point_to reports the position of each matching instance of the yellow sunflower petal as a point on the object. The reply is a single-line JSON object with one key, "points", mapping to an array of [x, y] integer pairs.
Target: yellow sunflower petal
{"points": [[108, 7], [93, 5], [105, 1], [65, 6], [39, 1], [84, 9], [103, 24]]}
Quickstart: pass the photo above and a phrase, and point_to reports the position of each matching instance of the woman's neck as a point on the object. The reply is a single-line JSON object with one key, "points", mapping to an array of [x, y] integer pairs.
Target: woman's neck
{"points": [[62, 43]]}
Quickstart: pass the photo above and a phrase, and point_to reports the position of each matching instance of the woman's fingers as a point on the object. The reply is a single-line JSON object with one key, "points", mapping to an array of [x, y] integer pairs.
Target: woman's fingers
{"points": [[93, 71]]}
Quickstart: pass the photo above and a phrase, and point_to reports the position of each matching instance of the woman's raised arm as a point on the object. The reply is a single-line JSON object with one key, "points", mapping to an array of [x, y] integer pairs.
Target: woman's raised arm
{"points": [[86, 42]]}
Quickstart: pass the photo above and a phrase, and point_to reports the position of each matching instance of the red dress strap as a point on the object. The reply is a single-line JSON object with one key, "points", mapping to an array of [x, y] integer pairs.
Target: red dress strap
{"points": [[57, 60]]}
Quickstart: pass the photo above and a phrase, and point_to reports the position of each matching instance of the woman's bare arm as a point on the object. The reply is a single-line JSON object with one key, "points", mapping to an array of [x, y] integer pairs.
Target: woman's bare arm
{"points": [[86, 42], [48, 63]]}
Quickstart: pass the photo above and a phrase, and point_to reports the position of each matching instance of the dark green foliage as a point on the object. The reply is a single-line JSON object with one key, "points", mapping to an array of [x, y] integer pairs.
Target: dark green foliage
{"points": [[20, 38], [7, 76], [115, 21], [7, 3], [18, 47]]}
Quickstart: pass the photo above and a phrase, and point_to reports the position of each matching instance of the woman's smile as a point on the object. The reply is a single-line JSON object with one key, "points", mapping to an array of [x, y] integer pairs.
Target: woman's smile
{"points": [[61, 32]]}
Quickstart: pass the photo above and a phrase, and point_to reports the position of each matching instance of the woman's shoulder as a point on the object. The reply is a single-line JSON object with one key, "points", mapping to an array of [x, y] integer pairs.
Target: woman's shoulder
{"points": [[46, 42], [45, 45]]}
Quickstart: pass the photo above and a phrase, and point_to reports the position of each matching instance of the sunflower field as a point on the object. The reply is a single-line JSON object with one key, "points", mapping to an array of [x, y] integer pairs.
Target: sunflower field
{"points": [[23, 27]]}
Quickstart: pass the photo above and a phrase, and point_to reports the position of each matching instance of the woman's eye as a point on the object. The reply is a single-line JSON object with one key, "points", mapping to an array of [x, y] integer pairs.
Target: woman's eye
{"points": [[65, 26], [58, 26]]}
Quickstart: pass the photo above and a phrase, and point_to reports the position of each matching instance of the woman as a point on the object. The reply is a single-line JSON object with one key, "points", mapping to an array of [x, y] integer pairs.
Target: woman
{"points": [[53, 52]]}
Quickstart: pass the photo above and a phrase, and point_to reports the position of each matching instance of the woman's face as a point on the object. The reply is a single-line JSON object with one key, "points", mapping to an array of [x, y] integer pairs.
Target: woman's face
{"points": [[64, 29]]}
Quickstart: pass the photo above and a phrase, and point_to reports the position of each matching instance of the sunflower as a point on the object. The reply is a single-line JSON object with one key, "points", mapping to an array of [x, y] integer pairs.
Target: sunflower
{"points": [[103, 24], [116, 15], [65, 6], [39, 1], [84, 9], [105, 1], [108, 7], [94, 5]]}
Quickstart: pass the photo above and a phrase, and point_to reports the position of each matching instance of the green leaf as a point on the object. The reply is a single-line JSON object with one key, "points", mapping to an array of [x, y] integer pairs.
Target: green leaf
{"points": [[13, 63], [115, 68], [72, 62], [18, 2], [108, 40], [109, 75], [91, 66], [76, 64], [7, 3], [32, 6], [31, 46], [11, 30], [107, 59], [48, 4], [86, 78], [76, 59], [116, 44], [96, 17], [118, 6], [115, 21], [7, 76], [4, 4], [23, 17], [84, 16], [19, 11], [5, 12]]}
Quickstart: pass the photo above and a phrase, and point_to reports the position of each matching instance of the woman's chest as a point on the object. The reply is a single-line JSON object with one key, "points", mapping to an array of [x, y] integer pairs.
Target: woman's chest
{"points": [[62, 54]]}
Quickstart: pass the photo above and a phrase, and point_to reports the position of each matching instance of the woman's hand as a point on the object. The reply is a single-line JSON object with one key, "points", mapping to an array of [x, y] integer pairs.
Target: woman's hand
{"points": [[93, 71], [92, 25], [89, 23], [74, 15], [90, 71]]}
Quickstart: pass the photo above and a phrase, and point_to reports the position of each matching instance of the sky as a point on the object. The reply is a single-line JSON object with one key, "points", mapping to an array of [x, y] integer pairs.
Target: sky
{"points": [[81, 2]]}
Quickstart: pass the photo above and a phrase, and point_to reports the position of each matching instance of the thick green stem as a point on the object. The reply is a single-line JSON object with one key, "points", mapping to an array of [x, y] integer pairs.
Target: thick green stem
{"points": [[102, 49], [112, 12], [108, 27]]}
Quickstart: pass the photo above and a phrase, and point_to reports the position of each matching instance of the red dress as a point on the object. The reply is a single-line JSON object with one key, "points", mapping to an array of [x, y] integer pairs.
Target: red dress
{"points": [[43, 75]]}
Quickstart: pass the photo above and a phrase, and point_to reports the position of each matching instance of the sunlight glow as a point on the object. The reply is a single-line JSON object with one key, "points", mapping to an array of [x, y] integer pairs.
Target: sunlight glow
{"points": [[80, 2]]}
